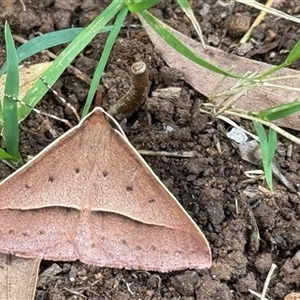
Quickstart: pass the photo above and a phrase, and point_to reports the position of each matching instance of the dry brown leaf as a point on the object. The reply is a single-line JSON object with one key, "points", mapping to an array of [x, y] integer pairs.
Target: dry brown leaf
{"points": [[28, 76], [18, 277], [205, 81]]}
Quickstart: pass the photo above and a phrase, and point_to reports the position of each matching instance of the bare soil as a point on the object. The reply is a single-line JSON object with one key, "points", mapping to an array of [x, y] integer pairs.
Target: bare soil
{"points": [[210, 185]]}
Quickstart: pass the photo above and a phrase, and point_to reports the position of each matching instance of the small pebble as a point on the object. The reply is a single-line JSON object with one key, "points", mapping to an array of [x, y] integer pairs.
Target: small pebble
{"points": [[270, 35], [237, 25]]}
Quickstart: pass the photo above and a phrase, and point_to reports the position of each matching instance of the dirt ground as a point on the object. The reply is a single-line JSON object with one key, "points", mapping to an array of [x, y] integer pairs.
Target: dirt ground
{"points": [[209, 186]]}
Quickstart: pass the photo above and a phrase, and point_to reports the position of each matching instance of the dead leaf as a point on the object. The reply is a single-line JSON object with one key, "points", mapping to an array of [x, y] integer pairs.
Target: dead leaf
{"points": [[205, 81], [18, 276], [28, 76], [91, 196]]}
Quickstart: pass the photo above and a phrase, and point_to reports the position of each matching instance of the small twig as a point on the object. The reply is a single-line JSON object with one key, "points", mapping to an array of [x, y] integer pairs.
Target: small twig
{"points": [[136, 95], [128, 285], [266, 284], [92, 292], [183, 154], [237, 90], [245, 85], [244, 115], [283, 179], [232, 92], [242, 86], [284, 87], [269, 10], [23, 5], [280, 78], [74, 293], [256, 22], [266, 123], [235, 125], [230, 102]]}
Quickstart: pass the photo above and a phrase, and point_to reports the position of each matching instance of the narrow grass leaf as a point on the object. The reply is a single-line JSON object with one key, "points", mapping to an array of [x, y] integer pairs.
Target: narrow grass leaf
{"points": [[294, 54], [104, 57], [265, 74], [10, 106], [262, 139], [5, 155], [265, 153], [47, 41], [142, 5], [280, 111], [67, 56], [272, 142], [185, 6], [161, 30]]}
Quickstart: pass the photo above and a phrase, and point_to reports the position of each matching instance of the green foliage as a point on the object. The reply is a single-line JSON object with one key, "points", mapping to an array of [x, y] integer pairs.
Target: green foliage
{"points": [[140, 5], [280, 111], [104, 57], [164, 33], [79, 38], [294, 54], [9, 105], [47, 41], [268, 148]]}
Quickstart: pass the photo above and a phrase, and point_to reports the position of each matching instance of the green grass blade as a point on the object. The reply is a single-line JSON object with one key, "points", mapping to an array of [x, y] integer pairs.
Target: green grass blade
{"points": [[10, 106], [268, 148], [142, 5], [294, 54], [67, 56], [265, 74], [5, 155], [280, 111], [185, 6], [160, 28], [104, 57], [272, 142], [47, 41], [262, 139]]}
